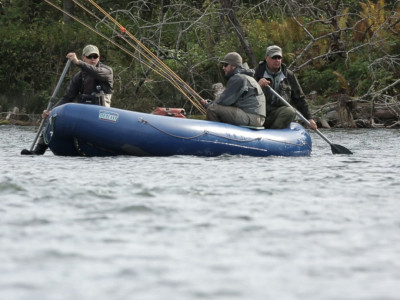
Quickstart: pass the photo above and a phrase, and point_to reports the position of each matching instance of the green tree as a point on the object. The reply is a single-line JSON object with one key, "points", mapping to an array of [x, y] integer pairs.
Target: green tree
{"points": [[334, 46]]}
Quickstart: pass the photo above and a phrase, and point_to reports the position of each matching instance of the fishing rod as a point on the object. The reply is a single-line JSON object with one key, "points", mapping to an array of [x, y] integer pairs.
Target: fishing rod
{"points": [[141, 45], [154, 65], [163, 68], [166, 73]]}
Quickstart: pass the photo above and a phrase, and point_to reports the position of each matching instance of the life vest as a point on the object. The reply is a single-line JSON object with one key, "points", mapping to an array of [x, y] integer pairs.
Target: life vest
{"points": [[95, 98], [92, 91]]}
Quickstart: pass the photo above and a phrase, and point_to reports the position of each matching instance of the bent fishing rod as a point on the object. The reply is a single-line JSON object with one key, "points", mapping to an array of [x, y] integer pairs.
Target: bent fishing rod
{"points": [[153, 63]]}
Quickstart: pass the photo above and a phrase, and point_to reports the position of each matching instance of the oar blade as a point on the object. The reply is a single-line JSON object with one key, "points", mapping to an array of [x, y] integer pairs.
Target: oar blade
{"points": [[26, 152], [338, 149]]}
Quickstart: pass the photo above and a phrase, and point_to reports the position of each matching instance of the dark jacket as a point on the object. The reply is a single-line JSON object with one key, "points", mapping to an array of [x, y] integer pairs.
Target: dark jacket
{"points": [[85, 81], [289, 89], [244, 92]]}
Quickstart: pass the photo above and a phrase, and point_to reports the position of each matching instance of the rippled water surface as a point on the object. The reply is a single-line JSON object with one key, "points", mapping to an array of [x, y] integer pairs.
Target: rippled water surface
{"points": [[186, 228]]}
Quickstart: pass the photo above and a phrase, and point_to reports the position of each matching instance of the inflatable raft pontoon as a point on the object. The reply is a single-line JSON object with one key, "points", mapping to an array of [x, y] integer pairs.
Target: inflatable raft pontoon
{"points": [[90, 130]]}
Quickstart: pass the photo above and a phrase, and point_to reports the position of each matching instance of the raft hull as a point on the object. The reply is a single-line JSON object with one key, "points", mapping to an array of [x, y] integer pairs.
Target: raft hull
{"points": [[90, 130]]}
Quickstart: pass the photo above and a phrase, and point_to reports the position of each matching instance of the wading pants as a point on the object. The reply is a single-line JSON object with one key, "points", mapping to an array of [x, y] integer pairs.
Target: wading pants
{"points": [[280, 117], [233, 115]]}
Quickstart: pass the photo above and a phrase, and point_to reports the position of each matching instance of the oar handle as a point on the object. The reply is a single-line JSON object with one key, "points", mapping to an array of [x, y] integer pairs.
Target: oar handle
{"points": [[51, 101]]}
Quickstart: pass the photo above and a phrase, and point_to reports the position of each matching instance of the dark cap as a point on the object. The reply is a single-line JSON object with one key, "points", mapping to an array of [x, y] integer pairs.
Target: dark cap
{"points": [[233, 59]]}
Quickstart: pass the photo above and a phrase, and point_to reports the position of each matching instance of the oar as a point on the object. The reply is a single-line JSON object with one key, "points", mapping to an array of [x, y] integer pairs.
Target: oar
{"points": [[51, 102], [336, 149]]}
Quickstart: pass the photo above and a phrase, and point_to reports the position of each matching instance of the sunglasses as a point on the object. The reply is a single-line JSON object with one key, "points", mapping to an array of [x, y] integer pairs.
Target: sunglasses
{"points": [[225, 65], [95, 56], [276, 57]]}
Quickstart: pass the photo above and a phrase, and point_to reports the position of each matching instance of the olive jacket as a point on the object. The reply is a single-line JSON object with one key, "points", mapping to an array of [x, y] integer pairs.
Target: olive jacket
{"points": [[289, 89]]}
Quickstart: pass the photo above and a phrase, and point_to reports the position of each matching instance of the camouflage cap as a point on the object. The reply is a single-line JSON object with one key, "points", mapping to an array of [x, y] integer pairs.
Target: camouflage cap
{"points": [[90, 49]]}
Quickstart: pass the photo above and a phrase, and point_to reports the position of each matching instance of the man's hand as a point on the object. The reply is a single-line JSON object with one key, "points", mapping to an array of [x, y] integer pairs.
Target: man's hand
{"points": [[205, 102], [45, 114], [73, 58], [313, 125], [264, 82]]}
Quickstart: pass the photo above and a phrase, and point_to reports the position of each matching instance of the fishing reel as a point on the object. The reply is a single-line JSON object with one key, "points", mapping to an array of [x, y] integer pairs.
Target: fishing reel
{"points": [[95, 98]]}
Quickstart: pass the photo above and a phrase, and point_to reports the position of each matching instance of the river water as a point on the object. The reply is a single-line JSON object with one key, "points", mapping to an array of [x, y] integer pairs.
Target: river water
{"points": [[188, 228]]}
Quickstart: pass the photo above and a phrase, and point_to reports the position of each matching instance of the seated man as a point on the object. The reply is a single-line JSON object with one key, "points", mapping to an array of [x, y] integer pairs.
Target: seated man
{"points": [[272, 73], [243, 101]]}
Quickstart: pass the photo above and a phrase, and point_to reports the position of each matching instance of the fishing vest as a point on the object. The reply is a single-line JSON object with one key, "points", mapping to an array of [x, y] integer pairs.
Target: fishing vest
{"points": [[92, 91]]}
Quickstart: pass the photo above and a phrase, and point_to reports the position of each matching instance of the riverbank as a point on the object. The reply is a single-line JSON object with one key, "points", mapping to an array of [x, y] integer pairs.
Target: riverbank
{"points": [[344, 113], [347, 112], [14, 117]]}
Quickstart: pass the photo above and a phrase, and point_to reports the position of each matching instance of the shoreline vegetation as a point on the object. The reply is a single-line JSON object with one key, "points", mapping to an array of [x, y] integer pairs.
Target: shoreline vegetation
{"points": [[344, 113], [344, 53]]}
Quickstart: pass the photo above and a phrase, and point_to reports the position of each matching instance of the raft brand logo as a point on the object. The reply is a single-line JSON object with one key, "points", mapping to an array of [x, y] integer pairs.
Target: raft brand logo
{"points": [[108, 116]]}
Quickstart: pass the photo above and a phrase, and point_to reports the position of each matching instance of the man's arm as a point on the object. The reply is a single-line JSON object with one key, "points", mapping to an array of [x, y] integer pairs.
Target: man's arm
{"points": [[298, 98], [232, 92], [299, 101], [71, 93], [100, 72]]}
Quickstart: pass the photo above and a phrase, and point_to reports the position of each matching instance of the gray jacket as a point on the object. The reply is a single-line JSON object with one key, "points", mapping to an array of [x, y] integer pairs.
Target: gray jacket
{"points": [[243, 91]]}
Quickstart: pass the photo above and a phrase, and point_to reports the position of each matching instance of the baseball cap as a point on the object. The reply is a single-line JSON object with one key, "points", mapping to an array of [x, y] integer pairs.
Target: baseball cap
{"points": [[90, 49], [273, 51], [233, 59]]}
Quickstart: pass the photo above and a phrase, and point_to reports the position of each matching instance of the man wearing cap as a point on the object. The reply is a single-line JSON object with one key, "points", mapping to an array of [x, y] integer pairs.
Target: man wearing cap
{"points": [[91, 85], [93, 77], [243, 101], [273, 73]]}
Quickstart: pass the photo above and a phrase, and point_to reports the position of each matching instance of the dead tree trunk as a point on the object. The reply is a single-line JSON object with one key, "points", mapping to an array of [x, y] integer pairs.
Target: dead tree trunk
{"points": [[345, 116], [230, 14]]}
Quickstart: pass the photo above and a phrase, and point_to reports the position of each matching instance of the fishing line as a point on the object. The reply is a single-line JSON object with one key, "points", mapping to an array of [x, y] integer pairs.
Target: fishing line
{"points": [[141, 45], [155, 62]]}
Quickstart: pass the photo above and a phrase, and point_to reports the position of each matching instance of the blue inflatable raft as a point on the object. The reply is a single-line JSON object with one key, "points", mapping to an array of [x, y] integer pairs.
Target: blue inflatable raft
{"points": [[90, 130]]}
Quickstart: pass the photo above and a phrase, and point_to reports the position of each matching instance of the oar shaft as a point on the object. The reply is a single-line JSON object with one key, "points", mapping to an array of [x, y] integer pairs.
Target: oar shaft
{"points": [[60, 81], [51, 101], [299, 115]]}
